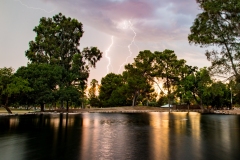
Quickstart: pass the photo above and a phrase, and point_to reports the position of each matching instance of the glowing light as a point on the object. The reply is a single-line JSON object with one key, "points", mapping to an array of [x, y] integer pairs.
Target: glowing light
{"points": [[106, 55], [34, 7], [125, 26]]}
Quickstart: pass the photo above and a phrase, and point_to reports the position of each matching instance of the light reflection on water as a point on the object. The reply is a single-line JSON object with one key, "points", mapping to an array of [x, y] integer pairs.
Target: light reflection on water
{"points": [[120, 136]]}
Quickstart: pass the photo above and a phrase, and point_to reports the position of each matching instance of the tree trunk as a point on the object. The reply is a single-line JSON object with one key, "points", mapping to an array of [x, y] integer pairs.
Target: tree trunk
{"points": [[67, 106], [169, 104], [133, 101], [195, 98], [62, 104], [158, 86], [42, 107], [168, 94], [135, 98], [82, 105], [6, 106], [201, 104], [8, 109]]}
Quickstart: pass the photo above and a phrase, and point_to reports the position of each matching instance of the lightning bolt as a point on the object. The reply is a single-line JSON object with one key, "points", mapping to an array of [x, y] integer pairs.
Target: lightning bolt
{"points": [[34, 7], [130, 25], [106, 55]]}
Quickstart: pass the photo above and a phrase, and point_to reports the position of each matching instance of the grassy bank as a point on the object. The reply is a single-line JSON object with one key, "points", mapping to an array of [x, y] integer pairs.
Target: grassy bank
{"points": [[136, 109], [15, 111], [91, 110]]}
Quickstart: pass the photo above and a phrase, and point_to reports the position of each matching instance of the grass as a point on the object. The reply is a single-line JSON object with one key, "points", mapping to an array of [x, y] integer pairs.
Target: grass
{"points": [[15, 111], [109, 109]]}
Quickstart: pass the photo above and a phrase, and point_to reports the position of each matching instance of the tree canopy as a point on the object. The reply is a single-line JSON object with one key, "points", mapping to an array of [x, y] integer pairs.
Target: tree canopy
{"points": [[218, 26], [93, 93], [11, 86], [43, 79], [57, 44], [112, 91]]}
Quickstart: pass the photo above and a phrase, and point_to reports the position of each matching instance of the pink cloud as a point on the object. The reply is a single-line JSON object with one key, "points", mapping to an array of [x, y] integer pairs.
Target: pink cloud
{"points": [[166, 18]]}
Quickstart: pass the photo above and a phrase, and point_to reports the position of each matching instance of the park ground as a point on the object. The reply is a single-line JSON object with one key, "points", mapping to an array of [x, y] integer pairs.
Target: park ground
{"points": [[136, 109]]}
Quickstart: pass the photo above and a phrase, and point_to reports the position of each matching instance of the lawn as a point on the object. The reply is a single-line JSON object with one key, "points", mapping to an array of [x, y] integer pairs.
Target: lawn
{"points": [[15, 111]]}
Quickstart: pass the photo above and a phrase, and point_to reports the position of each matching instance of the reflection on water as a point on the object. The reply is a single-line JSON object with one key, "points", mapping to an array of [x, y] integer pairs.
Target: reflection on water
{"points": [[120, 136]]}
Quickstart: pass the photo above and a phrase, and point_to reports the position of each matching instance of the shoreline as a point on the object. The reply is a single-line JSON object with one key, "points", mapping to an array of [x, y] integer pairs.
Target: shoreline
{"points": [[136, 109]]}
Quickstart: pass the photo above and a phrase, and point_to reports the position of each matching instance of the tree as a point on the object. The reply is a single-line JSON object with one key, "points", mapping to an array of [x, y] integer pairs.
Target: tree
{"points": [[163, 99], [92, 95], [136, 84], [168, 68], [218, 25], [138, 76], [10, 86], [193, 85], [187, 85], [112, 90], [69, 94], [44, 80], [217, 95], [57, 43]]}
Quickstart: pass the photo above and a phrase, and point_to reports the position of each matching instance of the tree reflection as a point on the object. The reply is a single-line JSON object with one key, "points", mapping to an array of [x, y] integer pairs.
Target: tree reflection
{"points": [[120, 136]]}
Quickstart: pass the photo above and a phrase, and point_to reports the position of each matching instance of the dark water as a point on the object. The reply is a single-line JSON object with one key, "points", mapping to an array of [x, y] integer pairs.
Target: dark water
{"points": [[107, 136]]}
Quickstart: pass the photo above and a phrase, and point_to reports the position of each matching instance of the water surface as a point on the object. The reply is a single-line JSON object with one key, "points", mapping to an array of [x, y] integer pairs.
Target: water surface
{"points": [[120, 136]]}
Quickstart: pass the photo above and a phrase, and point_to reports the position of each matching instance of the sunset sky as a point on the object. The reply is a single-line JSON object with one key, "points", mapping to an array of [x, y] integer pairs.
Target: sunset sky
{"points": [[119, 28]]}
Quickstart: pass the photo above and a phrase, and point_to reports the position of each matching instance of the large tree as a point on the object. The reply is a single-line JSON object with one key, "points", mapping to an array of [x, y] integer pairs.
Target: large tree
{"points": [[218, 26], [186, 87], [57, 43], [11, 86], [43, 79], [218, 95], [193, 85], [138, 76], [168, 68], [112, 90]]}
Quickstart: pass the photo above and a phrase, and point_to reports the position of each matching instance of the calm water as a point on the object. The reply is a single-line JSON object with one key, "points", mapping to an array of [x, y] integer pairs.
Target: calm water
{"points": [[107, 136]]}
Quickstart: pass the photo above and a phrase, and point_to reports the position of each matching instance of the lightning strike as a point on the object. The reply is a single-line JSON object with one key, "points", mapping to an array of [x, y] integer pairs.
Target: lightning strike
{"points": [[106, 55], [34, 7], [129, 25]]}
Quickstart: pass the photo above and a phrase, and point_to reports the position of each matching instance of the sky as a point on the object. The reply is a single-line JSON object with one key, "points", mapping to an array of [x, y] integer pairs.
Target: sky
{"points": [[119, 28]]}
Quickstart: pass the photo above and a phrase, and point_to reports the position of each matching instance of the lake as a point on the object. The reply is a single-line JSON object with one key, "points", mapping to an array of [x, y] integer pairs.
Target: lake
{"points": [[105, 136]]}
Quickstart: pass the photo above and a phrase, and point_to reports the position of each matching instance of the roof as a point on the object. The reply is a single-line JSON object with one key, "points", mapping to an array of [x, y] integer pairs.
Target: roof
{"points": [[166, 105]]}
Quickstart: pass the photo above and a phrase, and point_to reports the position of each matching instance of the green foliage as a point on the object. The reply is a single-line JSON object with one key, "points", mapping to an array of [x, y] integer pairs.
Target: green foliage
{"points": [[139, 76], [112, 91], [162, 100], [169, 69], [218, 25], [93, 88], [136, 84], [43, 79], [92, 95], [11, 87], [69, 94], [57, 44], [193, 85], [217, 95]]}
